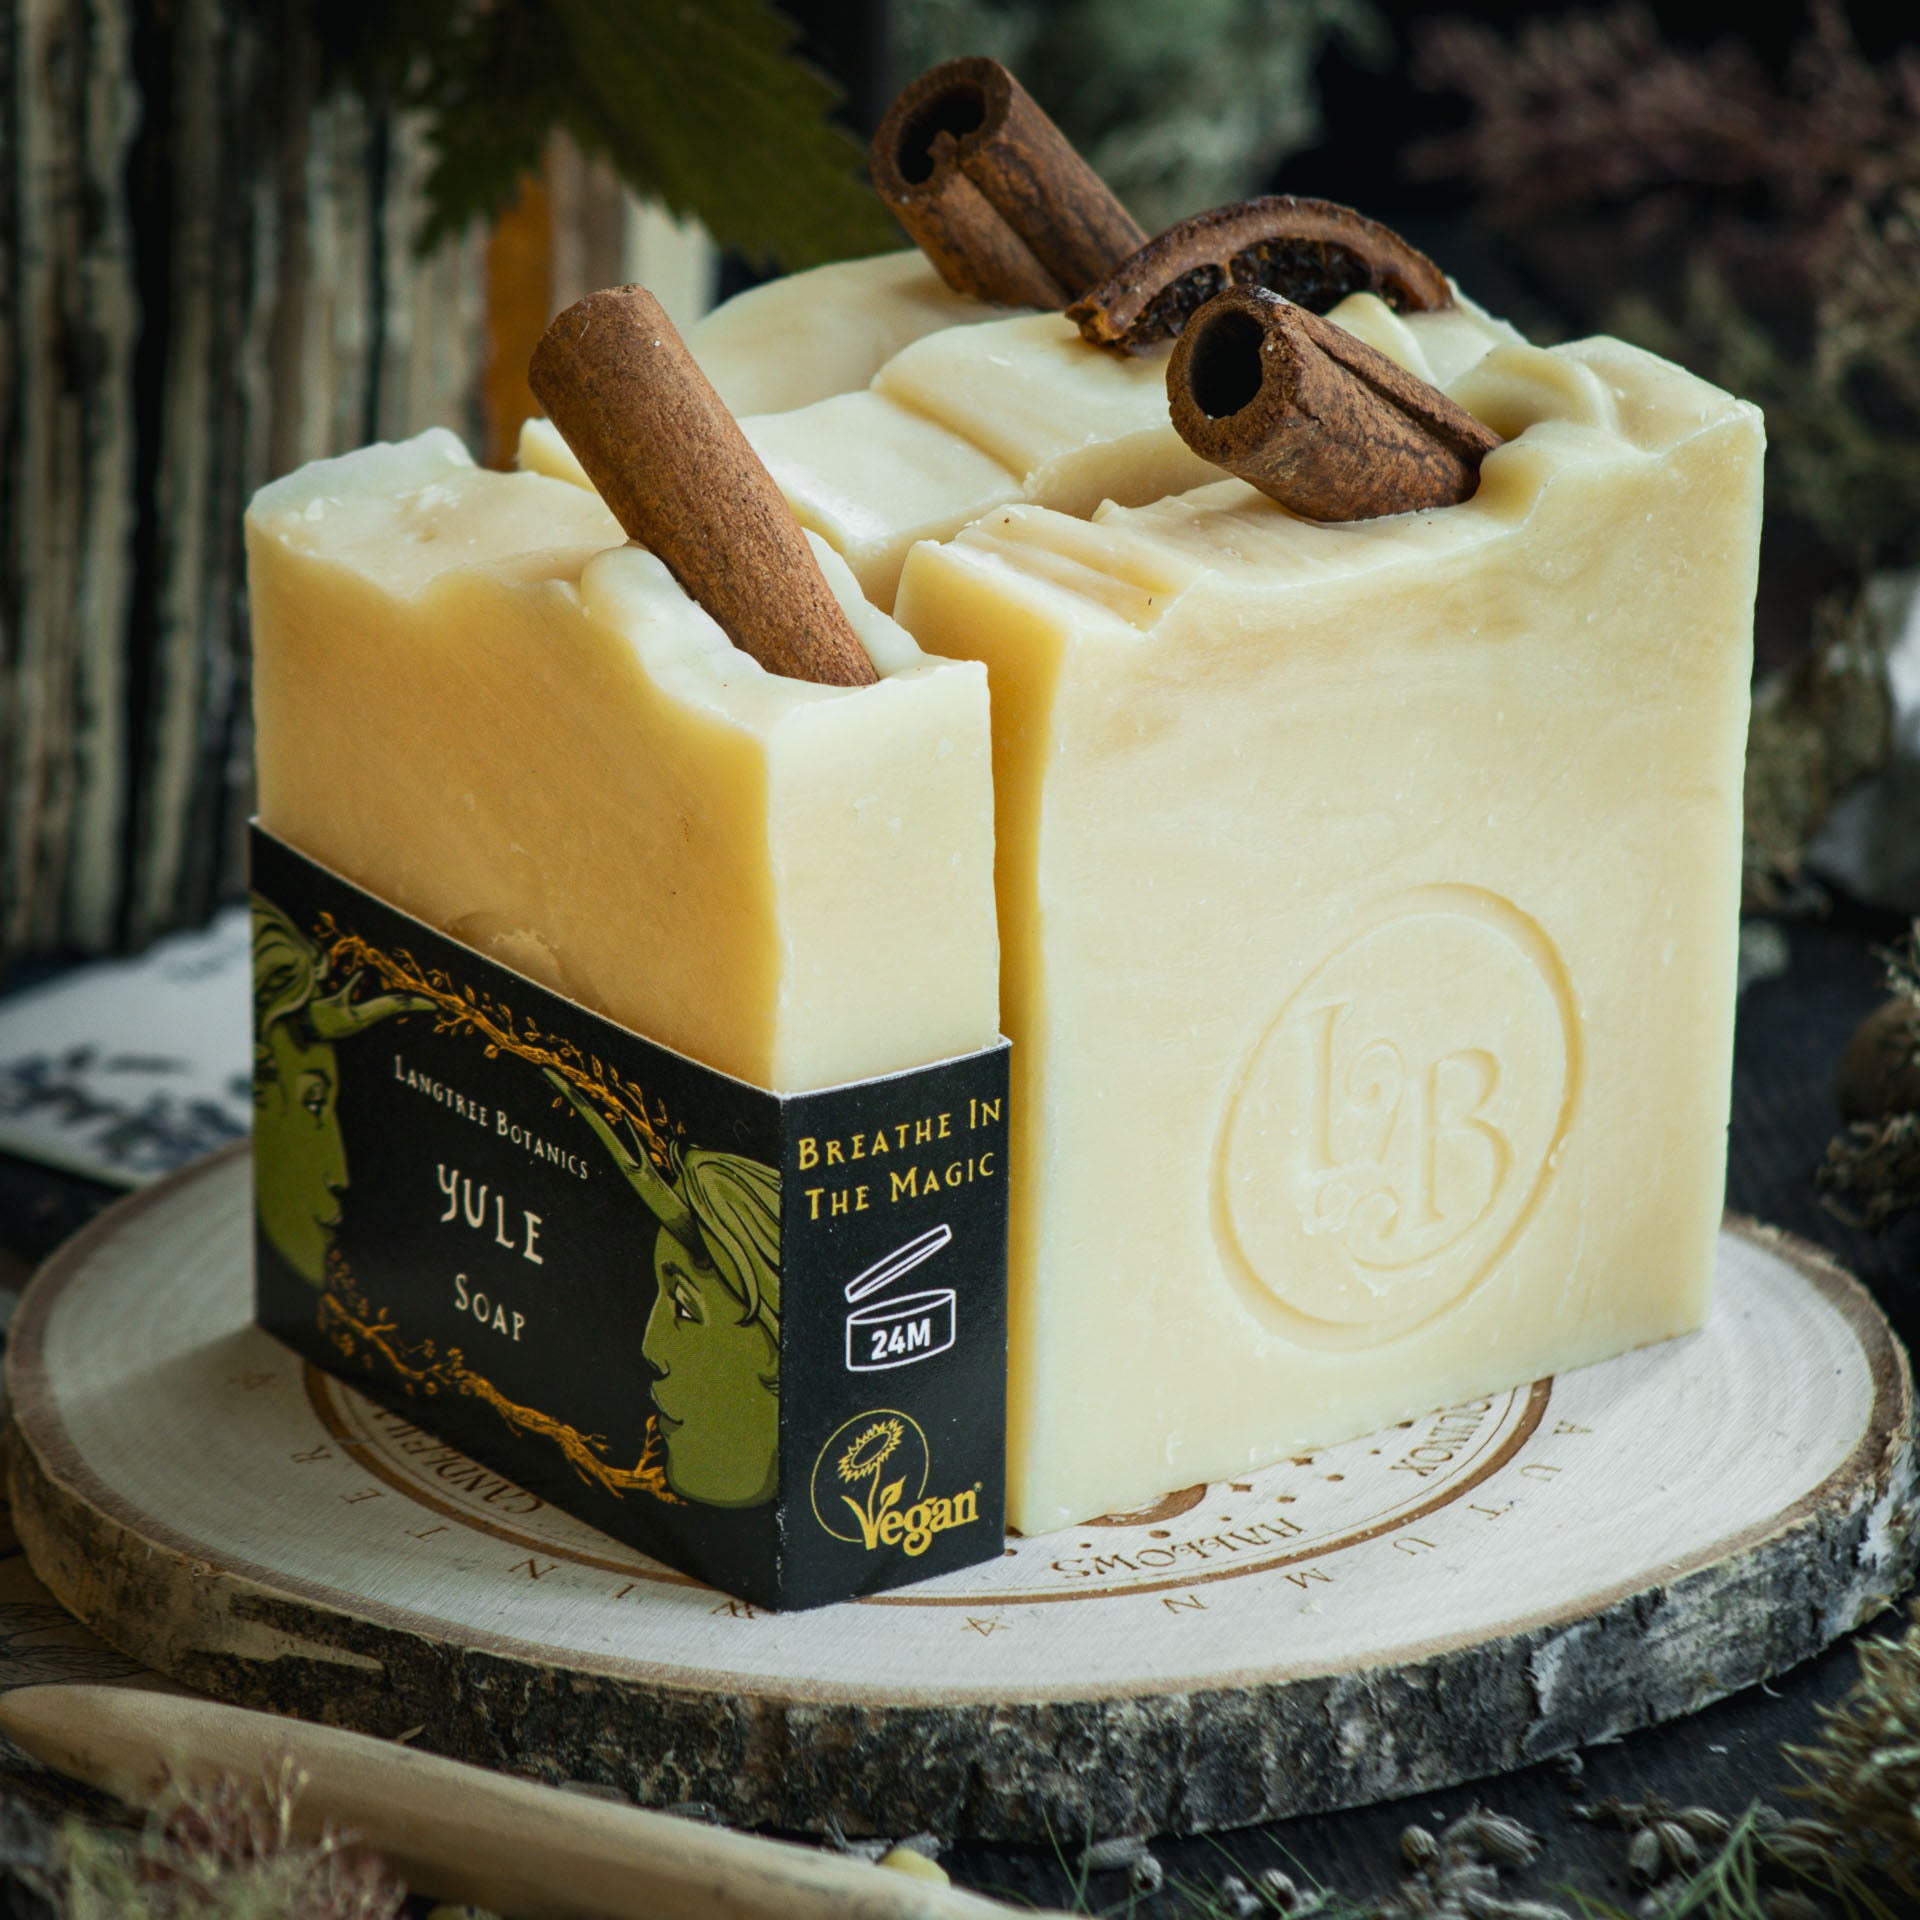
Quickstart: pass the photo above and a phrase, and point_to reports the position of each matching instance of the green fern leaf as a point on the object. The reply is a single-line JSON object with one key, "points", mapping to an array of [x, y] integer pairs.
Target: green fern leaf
{"points": [[695, 103]]}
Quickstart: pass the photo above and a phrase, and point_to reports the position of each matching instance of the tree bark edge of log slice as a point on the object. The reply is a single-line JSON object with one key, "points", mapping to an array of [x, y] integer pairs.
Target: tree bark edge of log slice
{"points": [[1175, 1761]]}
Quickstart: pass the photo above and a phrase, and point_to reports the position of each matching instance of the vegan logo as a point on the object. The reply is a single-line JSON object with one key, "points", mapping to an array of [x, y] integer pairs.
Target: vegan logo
{"points": [[870, 1486]]}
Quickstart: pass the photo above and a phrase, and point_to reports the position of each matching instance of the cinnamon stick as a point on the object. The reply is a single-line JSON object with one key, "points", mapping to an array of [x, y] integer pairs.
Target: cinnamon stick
{"points": [[1315, 418], [993, 192], [676, 471], [1314, 252]]}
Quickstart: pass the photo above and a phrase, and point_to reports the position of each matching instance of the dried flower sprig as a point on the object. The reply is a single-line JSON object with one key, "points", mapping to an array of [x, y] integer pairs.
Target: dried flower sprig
{"points": [[1773, 226], [1815, 730], [1863, 1773], [225, 1850], [1871, 1173], [1868, 313], [1600, 107]]}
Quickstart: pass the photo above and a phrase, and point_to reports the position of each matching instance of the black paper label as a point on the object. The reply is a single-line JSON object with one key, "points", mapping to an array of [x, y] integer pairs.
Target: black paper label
{"points": [[896, 1213], [761, 1337]]}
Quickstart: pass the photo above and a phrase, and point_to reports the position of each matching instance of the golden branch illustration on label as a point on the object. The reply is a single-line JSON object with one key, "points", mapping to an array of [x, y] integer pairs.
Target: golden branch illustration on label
{"points": [[359, 1331], [499, 1030]]}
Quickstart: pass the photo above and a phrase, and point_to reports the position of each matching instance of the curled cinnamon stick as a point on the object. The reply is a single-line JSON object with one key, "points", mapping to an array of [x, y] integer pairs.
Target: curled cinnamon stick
{"points": [[1315, 418], [993, 192], [675, 470], [1314, 252]]}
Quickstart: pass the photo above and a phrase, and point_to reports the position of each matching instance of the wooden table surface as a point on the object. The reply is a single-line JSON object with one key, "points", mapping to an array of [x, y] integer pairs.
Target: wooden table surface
{"points": [[1790, 1034]]}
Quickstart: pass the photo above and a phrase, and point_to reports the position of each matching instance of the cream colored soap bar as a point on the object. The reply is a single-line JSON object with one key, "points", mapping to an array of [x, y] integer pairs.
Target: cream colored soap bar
{"points": [[474, 699], [1368, 903], [962, 421]]}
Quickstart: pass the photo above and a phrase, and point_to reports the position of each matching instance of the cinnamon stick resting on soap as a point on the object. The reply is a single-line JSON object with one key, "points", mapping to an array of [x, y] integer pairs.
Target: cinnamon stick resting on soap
{"points": [[1314, 252], [1316, 419], [993, 192], [675, 470]]}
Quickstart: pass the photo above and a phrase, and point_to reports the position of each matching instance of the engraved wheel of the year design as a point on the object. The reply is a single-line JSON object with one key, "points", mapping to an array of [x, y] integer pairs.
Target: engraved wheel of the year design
{"points": [[1465, 1592]]}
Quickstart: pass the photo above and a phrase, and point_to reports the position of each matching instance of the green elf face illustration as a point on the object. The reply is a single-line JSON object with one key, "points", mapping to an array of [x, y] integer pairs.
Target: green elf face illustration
{"points": [[713, 1331], [300, 1159], [716, 1389]]}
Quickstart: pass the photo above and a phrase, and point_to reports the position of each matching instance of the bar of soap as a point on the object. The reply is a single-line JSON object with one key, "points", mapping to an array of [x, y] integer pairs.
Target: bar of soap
{"points": [[474, 699], [1368, 902]]}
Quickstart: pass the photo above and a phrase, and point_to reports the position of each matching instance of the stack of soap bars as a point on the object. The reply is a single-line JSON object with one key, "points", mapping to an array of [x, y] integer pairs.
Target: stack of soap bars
{"points": [[1359, 881]]}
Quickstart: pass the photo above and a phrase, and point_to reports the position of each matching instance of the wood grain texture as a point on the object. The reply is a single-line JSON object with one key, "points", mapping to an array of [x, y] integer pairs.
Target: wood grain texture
{"points": [[1478, 1590], [211, 278]]}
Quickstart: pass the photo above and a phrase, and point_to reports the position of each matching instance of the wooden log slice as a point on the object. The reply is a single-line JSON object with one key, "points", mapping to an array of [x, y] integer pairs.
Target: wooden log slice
{"points": [[1465, 1593]]}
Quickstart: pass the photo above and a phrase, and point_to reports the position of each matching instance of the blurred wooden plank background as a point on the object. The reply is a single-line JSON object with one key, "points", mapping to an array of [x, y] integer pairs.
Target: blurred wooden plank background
{"points": [[207, 276]]}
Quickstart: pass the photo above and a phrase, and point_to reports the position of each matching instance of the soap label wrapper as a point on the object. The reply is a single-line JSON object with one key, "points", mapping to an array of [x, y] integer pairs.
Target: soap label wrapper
{"points": [[760, 1337]]}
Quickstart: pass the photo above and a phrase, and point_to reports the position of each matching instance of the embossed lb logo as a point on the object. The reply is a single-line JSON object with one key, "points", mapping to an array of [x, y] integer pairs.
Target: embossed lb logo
{"points": [[1395, 1125]]}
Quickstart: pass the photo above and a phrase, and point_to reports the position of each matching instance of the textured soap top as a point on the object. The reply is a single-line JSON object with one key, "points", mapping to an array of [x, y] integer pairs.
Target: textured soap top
{"points": [[1588, 406], [411, 518], [402, 514], [825, 331]]}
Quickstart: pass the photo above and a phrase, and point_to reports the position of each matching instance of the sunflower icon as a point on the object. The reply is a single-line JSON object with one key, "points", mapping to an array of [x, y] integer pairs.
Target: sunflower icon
{"points": [[872, 1450], [865, 1469]]}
